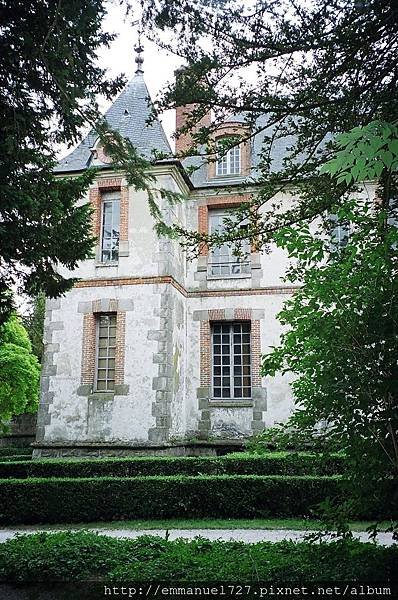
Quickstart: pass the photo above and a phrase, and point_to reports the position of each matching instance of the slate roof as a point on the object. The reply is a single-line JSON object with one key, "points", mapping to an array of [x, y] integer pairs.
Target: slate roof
{"points": [[128, 115]]}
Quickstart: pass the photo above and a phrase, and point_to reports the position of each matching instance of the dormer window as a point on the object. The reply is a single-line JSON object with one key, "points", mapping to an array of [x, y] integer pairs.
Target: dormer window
{"points": [[110, 230], [230, 162]]}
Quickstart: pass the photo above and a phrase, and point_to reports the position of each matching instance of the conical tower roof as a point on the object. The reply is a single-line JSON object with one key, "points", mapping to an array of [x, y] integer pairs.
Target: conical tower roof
{"points": [[128, 115]]}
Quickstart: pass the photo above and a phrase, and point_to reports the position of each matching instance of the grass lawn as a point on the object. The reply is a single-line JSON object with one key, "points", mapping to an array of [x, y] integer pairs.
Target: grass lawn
{"points": [[297, 524]]}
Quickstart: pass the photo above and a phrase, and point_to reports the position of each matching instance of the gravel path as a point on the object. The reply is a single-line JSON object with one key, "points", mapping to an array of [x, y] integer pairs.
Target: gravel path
{"points": [[243, 535]]}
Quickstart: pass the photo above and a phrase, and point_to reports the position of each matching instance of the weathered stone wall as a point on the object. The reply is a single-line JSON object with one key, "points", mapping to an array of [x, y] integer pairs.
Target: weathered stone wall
{"points": [[164, 305]]}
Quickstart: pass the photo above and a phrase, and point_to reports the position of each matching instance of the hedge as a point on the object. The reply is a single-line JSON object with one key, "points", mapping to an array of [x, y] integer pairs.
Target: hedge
{"points": [[104, 499], [13, 458], [13, 450], [84, 556], [281, 463]]}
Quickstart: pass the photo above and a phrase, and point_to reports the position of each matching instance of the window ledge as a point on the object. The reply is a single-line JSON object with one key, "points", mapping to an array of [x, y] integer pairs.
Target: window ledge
{"points": [[231, 403], [106, 264], [237, 276]]}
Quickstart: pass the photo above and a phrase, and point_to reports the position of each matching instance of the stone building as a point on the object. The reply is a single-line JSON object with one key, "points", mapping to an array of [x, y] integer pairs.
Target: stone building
{"points": [[150, 351]]}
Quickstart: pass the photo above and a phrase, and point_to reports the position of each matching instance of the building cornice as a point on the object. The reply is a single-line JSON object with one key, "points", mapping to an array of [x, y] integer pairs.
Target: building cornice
{"points": [[187, 293]]}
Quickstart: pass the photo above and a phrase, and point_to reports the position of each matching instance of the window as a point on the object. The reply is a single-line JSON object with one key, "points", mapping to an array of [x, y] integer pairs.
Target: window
{"points": [[231, 360], [222, 261], [229, 163], [106, 349], [110, 227], [339, 233]]}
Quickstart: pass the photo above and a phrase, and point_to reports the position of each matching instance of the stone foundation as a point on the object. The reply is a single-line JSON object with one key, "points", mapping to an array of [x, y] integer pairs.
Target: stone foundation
{"points": [[199, 448]]}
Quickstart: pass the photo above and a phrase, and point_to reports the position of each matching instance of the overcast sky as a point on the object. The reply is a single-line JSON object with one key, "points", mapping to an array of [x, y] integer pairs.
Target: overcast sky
{"points": [[119, 59]]}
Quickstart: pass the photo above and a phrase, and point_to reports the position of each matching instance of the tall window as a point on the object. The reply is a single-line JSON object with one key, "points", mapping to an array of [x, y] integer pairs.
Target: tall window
{"points": [[106, 349], [339, 233], [222, 261], [229, 163], [231, 360], [110, 227]]}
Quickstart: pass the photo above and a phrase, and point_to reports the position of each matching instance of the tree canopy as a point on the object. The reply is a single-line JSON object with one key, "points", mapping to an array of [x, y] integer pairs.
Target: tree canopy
{"points": [[309, 70], [19, 372], [341, 342], [49, 79]]}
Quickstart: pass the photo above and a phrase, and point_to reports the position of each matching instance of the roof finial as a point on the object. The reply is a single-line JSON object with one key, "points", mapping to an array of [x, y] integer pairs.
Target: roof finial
{"points": [[139, 49]]}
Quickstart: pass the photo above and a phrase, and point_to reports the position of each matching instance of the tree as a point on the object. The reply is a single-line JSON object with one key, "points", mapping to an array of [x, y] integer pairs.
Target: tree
{"points": [[298, 69], [19, 372], [49, 80], [341, 341], [34, 324]]}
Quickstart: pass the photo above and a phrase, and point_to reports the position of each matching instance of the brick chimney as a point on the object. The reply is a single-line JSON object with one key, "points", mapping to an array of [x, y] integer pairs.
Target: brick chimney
{"points": [[184, 141]]}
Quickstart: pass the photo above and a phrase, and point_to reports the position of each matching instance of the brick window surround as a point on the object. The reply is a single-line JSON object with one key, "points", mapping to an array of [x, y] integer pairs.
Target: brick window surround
{"points": [[238, 314], [89, 342], [110, 184], [226, 130], [217, 202]]}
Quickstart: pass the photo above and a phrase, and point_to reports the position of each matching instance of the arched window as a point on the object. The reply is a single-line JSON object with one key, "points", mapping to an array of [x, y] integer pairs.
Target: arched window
{"points": [[229, 163]]}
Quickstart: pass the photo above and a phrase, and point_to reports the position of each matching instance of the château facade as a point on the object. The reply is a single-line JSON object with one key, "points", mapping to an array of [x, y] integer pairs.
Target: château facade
{"points": [[149, 350]]}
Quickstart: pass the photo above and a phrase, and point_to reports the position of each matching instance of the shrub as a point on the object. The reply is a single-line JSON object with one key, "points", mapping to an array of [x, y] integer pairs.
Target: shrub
{"points": [[99, 499], [13, 458], [88, 556], [278, 463], [8, 450]]}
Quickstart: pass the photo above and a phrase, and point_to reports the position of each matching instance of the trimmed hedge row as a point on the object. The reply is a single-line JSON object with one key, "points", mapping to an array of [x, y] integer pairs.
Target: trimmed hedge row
{"points": [[281, 463], [67, 556], [226, 496], [13, 458], [12, 450]]}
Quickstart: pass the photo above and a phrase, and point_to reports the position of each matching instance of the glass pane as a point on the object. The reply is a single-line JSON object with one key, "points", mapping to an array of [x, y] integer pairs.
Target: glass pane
{"points": [[226, 393], [101, 385]]}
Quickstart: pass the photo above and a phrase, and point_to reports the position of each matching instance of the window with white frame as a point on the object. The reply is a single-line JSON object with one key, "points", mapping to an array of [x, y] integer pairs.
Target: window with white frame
{"points": [[339, 233], [106, 352], [229, 163], [222, 260], [231, 360], [110, 228]]}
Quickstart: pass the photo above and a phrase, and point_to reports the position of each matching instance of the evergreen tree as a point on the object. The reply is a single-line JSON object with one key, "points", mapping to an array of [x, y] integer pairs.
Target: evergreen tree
{"points": [[34, 324], [49, 79]]}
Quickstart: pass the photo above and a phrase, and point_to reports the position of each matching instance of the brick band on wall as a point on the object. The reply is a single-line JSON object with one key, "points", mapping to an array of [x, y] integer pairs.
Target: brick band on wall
{"points": [[88, 349], [120, 347]]}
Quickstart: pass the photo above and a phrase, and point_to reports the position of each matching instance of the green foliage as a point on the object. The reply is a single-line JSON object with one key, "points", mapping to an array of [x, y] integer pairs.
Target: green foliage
{"points": [[14, 450], [282, 463], [19, 372], [364, 152], [341, 340], [71, 556], [285, 437], [67, 500]]}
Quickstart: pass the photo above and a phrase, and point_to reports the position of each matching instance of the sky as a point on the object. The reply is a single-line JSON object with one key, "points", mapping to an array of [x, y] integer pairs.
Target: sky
{"points": [[159, 66]]}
